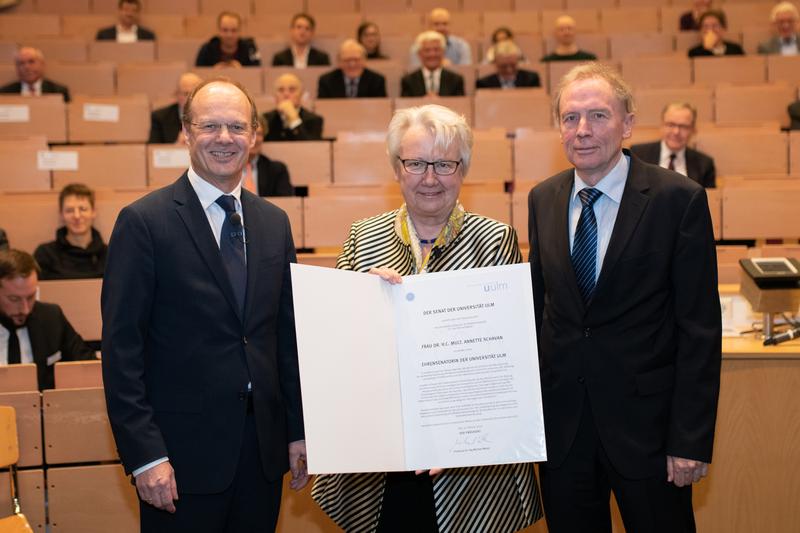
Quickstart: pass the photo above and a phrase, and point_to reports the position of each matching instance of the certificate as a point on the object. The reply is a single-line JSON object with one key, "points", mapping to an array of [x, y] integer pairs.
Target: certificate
{"points": [[438, 371]]}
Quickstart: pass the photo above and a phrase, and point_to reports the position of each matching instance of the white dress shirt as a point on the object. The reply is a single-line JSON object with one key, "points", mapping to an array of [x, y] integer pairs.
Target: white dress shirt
{"points": [[680, 159], [300, 60], [432, 80], [25, 350], [127, 36], [31, 90]]}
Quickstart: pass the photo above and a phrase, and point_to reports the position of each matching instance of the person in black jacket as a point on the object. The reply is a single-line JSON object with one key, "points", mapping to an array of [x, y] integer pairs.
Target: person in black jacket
{"points": [[79, 250], [506, 57], [165, 122], [289, 121], [431, 78], [300, 53], [29, 62], [352, 79], [32, 331], [713, 24], [262, 175], [127, 29], [227, 48]]}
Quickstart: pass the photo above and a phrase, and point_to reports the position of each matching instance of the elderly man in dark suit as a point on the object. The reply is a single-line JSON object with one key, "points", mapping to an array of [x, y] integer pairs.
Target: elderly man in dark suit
{"points": [[784, 17], [431, 78], [300, 53], [678, 121], [199, 351], [508, 76], [352, 79], [165, 122], [289, 121], [29, 63], [33, 331], [264, 176], [628, 318], [127, 29]]}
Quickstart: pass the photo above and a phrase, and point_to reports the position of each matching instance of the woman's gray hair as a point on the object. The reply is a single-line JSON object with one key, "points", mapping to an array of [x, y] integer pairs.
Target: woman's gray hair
{"points": [[445, 126]]}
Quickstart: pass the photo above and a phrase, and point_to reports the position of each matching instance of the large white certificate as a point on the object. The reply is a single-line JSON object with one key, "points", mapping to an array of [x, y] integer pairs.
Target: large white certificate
{"points": [[438, 371]]}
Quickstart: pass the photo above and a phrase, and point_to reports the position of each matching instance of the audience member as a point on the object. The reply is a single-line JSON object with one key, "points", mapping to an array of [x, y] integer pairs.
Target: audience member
{"points": [[3, 240], [165, 122], [794, 115], [300, 53], [691, 19], [713, 24], [678, 125], [369, 36], [352, 79], [784, 17], [289, 121], [566, 48], [79, 250], [431, 78], [507, 56], [228, 48], [457, 51], [127, 29], [263, 176], [32, 331], [29, 62], [499, 35]]}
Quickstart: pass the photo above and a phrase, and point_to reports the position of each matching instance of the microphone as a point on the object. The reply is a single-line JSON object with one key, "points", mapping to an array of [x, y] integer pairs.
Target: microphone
{"points": [[235, 220], [782, 337], [238, 229]]}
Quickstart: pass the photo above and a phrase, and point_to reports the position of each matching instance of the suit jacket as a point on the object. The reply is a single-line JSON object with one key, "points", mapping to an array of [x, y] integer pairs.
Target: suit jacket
{"points": [[246, 53], [647, 349], [699, 166], [316, 58], [53, 339], [110, 34], [178, 352], [773, 45], [165, 124], [273, 178], [309, 130], [48, 87], [370, 85], [731, 49], [794, 114], [525, 78], [450, 84]]}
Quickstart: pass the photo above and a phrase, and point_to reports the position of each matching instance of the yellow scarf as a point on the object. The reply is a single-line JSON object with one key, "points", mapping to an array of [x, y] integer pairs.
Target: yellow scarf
{"points": [[404, 227]]}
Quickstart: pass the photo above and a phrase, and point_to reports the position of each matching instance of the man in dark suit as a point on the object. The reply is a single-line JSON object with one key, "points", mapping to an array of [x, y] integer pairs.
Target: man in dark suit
{"points": [[199, 351], [127, 29], [31, 331], [300, 53], [431, 78], [352, 79], [678, 121], [29, 63], [165, 122], [289, 121], [262, 175], [784, 17], [628, 320], [228, 48], [508, 76]]}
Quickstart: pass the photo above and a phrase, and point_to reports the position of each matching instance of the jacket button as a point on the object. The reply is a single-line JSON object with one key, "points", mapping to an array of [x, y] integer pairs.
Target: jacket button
{"points": [[581, 379], [244, 340], [587, 333]]}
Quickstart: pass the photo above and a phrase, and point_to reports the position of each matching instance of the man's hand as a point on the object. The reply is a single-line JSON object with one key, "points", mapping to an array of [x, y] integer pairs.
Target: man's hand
{"points": [[297, 464], [157, 487], [684, 472], [432, 472], [288, 112], [710, 40]]}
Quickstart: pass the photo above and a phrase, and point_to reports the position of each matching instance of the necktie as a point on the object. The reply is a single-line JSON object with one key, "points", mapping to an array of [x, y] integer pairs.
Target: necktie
{"points": [[584, 246], [671, 165], [231, 246], [431, 88], [14, 355], [352, 88]]}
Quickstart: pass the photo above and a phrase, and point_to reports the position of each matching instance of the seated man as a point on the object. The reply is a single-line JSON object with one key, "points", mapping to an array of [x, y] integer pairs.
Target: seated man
{"points": [[165, 122], [31, 331], [457, 51], [79, 250], [228, 48], [352, 79], [677, 127], [289, 121], [300, 53], [506, 56], [712, 30], [784, 18], [263, 176], [431, 78], [566, 48], [127, 29], [29, 62]]}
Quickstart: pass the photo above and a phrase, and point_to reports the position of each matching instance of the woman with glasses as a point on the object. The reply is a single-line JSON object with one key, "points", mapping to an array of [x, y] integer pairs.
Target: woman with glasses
{"points": [[429, 149]]}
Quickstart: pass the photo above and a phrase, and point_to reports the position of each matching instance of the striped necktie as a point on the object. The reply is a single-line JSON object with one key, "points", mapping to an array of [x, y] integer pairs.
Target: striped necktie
{"points": [[584, 247]]}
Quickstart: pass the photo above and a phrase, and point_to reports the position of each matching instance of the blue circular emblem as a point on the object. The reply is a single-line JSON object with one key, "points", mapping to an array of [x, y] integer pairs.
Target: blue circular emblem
{"points": [[410, 296]]}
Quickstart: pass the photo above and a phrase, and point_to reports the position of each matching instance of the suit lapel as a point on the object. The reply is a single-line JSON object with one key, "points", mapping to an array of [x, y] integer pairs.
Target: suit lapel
{"points": [[38, 349], [561, 241], [419, 81], [254, 252], [191, 212]]}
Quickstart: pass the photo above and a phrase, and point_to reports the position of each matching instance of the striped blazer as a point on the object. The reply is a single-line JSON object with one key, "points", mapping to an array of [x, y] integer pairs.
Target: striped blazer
{"points": [[496, 499]]}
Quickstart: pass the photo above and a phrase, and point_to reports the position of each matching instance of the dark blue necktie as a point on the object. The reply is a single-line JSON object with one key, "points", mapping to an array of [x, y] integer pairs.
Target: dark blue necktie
{"points": [[584, 245], [231, 246]]}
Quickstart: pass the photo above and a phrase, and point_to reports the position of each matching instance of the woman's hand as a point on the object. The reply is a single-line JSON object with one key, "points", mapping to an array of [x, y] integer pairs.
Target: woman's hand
{"points": [[432, 472], [388, 274]]}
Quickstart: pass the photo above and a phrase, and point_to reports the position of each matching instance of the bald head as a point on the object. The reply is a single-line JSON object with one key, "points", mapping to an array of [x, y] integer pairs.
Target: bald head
{"points": [[565, 30], [352, 58], [29, 62], [186, 84], [439, 19], [288, 87]]}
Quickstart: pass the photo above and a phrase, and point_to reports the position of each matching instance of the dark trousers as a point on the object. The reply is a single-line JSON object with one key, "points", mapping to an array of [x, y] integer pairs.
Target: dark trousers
{"points": [[408, 504], [249, 505], [577, 493]]}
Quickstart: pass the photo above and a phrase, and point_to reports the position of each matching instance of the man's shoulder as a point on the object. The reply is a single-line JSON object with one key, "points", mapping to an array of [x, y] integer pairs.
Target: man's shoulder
{"points": [[166, 111], [307, 115], [490, 80], [153, 204], [554, 182], [369, 73], [446, 72], [106, 33], [691, 152], [641, 149], [49, 313], [413, 74], [332, 75], [13, 87]]}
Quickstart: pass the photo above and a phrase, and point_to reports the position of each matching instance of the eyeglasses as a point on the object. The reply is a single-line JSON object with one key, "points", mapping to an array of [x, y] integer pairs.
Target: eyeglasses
{"points": [[682, 127], [440, 168], [213, 128]]}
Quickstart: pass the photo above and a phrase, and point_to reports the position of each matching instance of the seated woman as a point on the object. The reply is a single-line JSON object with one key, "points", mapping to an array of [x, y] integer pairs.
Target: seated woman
{"points": [[713, 24], [499, 35], [79, 250], [369, 36], [430, 149]]}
